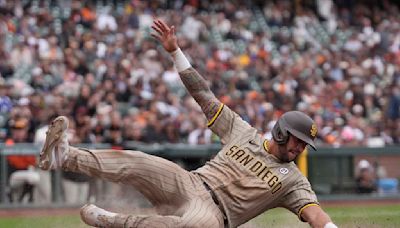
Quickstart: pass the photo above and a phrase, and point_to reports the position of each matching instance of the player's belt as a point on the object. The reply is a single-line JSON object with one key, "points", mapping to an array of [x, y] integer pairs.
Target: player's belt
{"points": [[216, 201]]}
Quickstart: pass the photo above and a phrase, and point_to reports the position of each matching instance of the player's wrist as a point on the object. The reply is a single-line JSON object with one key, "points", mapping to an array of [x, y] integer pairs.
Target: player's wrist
{"points": [[330, 225], [180, 60]]}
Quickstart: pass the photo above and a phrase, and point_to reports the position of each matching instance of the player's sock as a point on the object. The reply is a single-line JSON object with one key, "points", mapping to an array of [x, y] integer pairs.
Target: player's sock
{"points": [[61, 151]]}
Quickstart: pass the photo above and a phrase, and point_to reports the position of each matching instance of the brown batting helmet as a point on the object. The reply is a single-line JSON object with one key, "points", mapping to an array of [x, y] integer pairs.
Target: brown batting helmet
{"points": [[296, 123]]}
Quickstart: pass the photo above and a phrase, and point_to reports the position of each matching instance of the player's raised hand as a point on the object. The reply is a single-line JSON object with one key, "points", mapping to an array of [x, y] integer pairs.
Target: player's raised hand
{"points": [[165, 34]]}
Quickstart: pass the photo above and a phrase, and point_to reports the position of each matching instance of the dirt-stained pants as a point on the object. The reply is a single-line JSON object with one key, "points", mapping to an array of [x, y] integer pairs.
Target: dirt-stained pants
{"points": [[178, 195]]}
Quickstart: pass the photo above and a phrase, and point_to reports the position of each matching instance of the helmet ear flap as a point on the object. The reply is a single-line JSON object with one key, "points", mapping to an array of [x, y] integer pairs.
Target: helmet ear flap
{"points": [[280, 134]]}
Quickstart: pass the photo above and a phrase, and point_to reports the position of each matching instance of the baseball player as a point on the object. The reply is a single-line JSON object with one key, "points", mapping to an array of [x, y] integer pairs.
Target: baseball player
{"points": [[248, 176]]}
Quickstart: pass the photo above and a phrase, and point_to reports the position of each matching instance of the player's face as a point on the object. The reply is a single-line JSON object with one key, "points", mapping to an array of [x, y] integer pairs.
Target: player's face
{"points": [[292, 149]]}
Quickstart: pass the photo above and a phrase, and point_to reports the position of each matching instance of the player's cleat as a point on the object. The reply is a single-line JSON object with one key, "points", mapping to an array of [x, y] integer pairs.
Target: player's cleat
{"points": [[55, 148], [98, 217]]}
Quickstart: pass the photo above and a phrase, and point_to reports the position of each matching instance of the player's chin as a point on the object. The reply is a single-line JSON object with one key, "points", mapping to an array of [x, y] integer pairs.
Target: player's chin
{"points": [[287, 158], [292, 155]]}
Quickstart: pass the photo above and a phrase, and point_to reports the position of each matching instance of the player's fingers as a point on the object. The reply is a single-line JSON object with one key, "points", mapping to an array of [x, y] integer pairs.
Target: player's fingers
{"points": [[157, 29], [172, 31], [156, 25], [156, 36], [164, 26], [156, 22], [161, 25]]}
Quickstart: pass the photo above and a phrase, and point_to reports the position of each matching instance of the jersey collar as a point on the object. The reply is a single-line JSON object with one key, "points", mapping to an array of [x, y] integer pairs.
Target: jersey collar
{"points": [[266, 145]]}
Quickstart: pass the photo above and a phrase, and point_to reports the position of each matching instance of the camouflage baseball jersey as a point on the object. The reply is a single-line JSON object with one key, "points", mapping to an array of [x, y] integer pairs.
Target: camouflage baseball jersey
{"points": [[247, 179]]}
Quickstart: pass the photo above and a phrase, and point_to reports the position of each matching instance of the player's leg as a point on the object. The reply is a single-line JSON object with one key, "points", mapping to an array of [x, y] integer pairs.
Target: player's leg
{"points": [[201, 211], [161, 181], [98, 217], [164, 183]]}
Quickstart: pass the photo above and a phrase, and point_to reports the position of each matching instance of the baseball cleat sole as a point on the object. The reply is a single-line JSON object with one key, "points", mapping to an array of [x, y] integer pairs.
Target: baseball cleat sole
{"points": [[53, 137]]}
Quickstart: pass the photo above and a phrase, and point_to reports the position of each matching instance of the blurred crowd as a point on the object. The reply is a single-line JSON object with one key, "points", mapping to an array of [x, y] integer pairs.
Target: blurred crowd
{"points": [[95, 62]]}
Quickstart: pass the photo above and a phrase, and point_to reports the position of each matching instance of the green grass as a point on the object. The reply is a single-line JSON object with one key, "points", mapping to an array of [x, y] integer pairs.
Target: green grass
{"points": [[64, 221], [345, 217]]}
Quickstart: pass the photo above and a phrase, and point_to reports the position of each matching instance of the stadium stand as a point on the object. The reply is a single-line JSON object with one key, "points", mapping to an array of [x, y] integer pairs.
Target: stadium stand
{"points": [[339, 65]]}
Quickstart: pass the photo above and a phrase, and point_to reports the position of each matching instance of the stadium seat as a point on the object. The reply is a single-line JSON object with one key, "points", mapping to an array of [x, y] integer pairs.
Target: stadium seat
{"points": [[388, 186]]}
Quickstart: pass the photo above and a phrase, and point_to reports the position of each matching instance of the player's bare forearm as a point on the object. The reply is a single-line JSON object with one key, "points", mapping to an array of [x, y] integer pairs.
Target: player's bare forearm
{"points": [[200, 91], [317, 218], [193, 81]]}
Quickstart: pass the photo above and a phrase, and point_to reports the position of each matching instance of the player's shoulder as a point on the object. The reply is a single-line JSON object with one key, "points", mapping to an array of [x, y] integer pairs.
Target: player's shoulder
{"points": [[292, 166]]}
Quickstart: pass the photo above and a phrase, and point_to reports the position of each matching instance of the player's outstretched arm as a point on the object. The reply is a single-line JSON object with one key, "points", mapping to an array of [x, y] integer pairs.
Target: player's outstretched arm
{"points": [[193, 81], [317, 218]]}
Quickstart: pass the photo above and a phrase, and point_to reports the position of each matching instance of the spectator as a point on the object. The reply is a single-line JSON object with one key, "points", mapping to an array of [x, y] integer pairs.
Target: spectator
{"points": [[106, 21], [365, 180], [200, 135], [19, 134], [5, 101], [114, 137], [23, 182], [21, 55], [302, 55]]}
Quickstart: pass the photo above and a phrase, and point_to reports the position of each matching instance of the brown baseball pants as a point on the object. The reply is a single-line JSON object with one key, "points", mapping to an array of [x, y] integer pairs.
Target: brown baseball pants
{"points": [[178, 195]]}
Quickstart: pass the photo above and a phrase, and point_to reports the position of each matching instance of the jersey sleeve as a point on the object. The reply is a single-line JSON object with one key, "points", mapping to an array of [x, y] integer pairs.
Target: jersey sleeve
{"points": [[300, 196], [227, 124]]}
